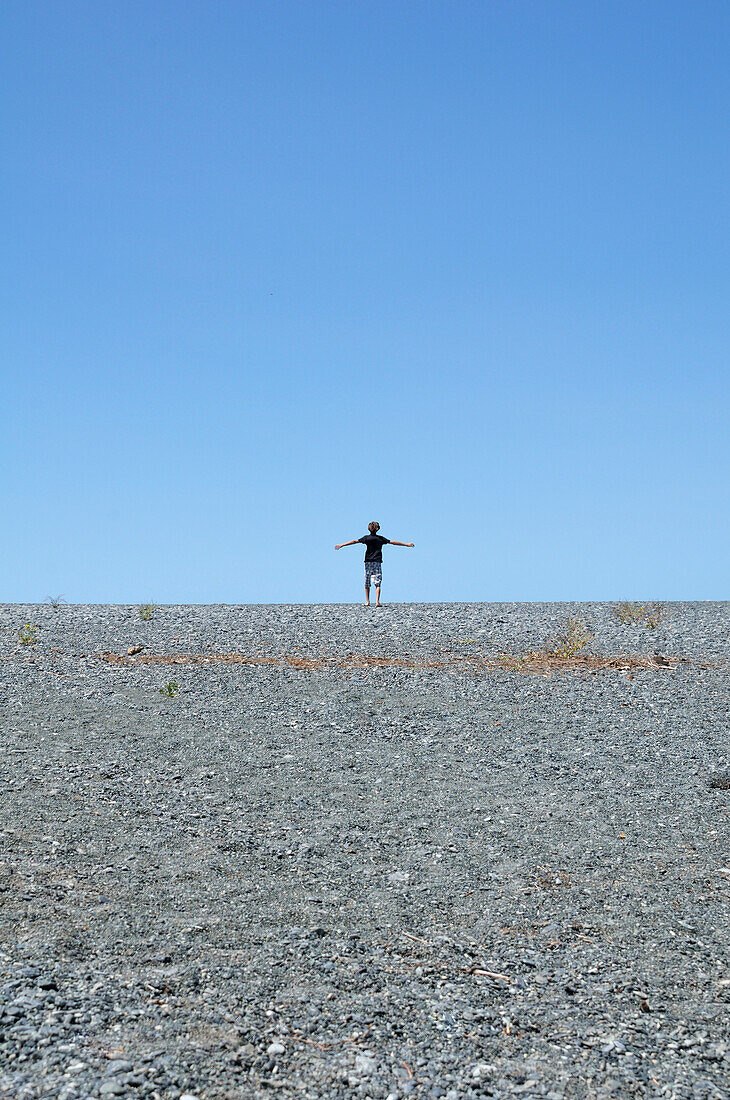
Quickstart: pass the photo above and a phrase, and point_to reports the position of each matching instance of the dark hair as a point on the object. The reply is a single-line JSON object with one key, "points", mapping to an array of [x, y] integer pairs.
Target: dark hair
{"points": [[373, 527]]}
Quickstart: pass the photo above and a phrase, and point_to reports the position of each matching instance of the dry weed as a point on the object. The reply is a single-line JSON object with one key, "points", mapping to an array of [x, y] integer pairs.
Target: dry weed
{"points": [[574, 637], [648, 615]]}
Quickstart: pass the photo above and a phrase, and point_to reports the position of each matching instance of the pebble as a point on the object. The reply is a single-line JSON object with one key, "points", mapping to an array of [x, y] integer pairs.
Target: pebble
{"points": [[118, 1065], [365, 1065], [111, 1088]]}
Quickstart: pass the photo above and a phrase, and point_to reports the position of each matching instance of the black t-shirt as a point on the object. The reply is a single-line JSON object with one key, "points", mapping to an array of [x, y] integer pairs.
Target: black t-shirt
{"points": [[374, 547]]}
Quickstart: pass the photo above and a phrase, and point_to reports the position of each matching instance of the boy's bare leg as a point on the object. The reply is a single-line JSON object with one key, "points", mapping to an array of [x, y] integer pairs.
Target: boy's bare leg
{"points": [[367, 596], [377, 595]]}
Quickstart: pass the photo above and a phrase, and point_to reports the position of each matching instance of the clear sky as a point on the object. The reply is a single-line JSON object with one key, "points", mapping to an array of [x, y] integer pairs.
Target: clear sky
{"points": [[274, 269]]}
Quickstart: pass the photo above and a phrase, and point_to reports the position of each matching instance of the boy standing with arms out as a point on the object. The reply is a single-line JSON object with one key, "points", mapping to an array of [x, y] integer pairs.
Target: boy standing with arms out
{"points": [[374, 544]]}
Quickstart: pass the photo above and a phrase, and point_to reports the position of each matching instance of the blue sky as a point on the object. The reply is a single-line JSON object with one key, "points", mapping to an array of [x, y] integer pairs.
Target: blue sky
{"points": [[275, 269]]}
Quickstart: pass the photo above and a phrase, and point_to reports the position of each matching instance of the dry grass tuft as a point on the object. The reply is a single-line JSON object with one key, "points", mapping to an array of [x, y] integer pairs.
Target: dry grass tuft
{"points": [[648, 615], [574, 637]]}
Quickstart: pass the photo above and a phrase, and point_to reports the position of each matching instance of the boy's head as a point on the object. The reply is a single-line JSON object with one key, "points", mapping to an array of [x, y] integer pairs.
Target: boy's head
{"points": [[373, 528]]}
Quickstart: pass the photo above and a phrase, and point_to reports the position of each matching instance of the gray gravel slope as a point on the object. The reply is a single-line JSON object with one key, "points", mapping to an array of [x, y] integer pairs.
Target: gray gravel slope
{"points": [[429, 881]]}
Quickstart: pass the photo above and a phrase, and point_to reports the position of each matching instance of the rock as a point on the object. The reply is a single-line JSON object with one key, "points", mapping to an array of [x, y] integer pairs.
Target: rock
{"points": [[117, 1065], [134, 649], [275, 1048], [112, 1088], [364, 1065]]}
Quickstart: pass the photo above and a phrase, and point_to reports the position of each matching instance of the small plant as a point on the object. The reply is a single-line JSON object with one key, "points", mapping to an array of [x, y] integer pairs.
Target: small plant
{"points": [[720, 782], [575, 636], [654, 615], [648, 615], [28, 634], [170, 690], [146, 611], [627, 612], [56, 602]]}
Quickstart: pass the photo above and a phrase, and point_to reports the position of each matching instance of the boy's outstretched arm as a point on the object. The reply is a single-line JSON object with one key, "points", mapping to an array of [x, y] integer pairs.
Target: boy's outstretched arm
{"points": [[394, 542], [352, 542]]}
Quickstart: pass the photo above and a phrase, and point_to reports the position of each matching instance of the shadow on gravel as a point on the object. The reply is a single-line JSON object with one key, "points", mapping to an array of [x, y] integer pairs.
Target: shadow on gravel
{"points": [[536, 662]]}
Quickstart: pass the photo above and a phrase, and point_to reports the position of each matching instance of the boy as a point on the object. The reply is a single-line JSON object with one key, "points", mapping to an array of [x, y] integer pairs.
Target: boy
{"points": [[374, 544]]}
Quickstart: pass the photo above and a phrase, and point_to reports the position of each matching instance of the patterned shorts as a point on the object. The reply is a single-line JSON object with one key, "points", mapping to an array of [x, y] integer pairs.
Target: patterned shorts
{"points": [[373, 573]]}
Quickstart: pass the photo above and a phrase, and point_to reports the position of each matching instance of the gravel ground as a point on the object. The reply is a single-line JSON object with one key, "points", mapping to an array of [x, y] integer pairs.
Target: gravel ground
{"points": [[435, 880]]}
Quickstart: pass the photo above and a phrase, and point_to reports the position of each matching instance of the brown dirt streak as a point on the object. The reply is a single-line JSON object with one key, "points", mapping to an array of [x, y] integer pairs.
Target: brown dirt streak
{"points": [[535, 662]]}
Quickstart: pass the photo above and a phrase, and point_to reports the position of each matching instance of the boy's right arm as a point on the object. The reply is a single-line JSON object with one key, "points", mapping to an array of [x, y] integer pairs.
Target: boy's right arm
{"points": [[352, 542]]}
